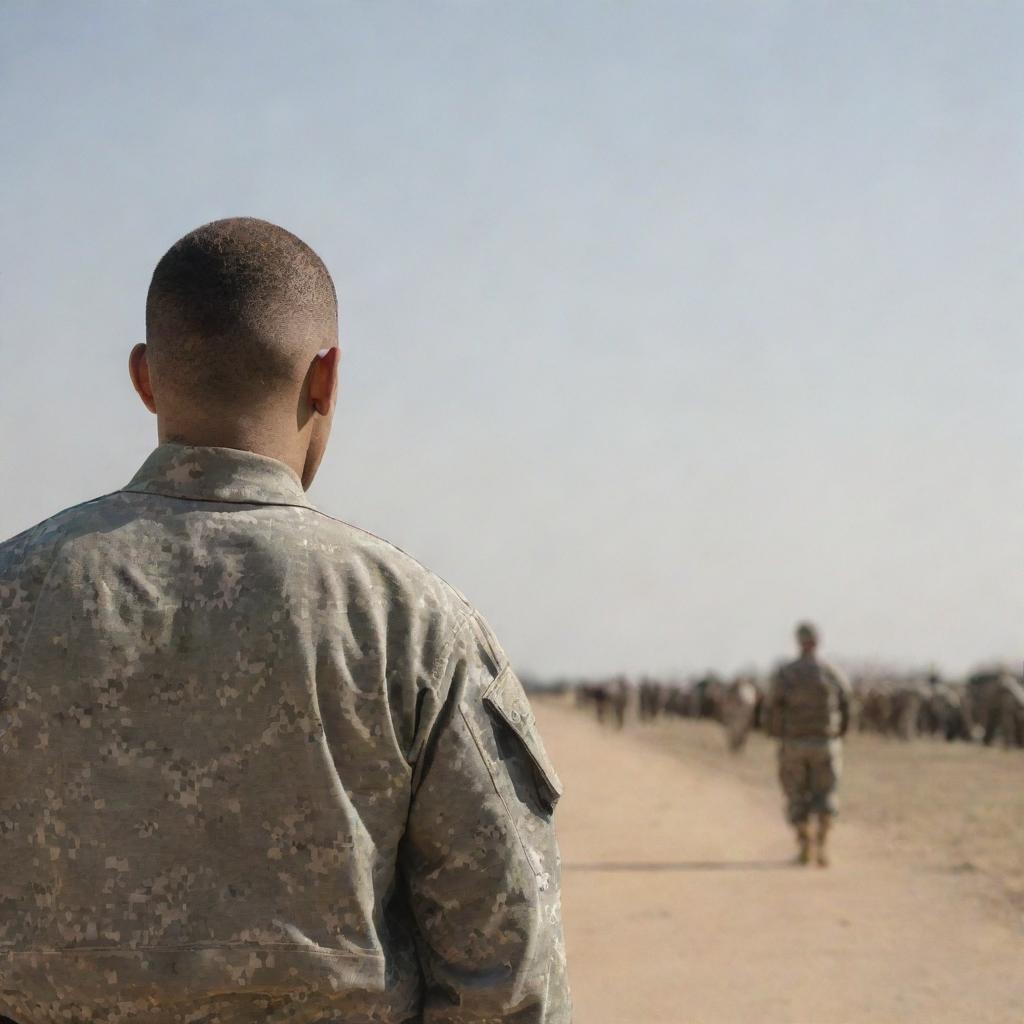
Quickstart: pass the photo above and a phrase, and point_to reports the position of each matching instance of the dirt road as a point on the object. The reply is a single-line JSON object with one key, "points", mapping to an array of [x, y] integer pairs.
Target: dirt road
{"points": [[681, 906]]}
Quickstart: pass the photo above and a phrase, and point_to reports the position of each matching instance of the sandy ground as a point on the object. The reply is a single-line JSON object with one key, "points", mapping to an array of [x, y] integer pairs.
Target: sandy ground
{"points": [[682, 907]]}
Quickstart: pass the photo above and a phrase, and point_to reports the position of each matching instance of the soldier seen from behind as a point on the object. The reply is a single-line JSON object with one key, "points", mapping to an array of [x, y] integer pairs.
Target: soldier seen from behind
{"points": [[808, 709], [256, 764]]}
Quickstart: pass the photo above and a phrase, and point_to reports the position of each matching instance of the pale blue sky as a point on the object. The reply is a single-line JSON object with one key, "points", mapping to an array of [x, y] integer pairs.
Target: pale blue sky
{"points": [[665, 324]]}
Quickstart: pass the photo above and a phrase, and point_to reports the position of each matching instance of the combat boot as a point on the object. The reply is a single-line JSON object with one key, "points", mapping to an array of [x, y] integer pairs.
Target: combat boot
{"points": [[824, 824], [803, 839]]}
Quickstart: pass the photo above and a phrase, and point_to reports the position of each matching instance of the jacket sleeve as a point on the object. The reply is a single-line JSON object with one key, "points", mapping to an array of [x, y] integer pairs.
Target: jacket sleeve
{"points": [[773, 706], [479, 857], [845, 698]]}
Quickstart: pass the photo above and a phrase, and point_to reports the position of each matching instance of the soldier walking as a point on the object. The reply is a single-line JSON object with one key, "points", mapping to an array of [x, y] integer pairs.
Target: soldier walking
{"points": [[808, 709], [256, 764]]}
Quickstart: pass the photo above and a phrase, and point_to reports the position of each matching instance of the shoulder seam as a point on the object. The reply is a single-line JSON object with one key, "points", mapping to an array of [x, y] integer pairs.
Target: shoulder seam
{"points": [[470, 610], [58, 515], [215, 501]]}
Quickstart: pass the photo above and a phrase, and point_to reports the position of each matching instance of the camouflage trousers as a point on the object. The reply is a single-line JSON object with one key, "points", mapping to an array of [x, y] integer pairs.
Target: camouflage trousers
{"points": [[809, 771]]}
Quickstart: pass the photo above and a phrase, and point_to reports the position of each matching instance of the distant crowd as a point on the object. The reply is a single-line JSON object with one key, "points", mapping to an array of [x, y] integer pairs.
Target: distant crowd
{"points": [[986, 707]]}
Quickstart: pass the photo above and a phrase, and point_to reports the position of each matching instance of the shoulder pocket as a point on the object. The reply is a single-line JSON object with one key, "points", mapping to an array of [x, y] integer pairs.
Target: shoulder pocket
{"points": [[506, 699]]}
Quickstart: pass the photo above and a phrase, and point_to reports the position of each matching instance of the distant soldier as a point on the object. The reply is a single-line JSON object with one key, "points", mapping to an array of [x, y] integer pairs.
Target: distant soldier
{"points": [[808, 709], [739, 705], [1008, 716], [909, 700], [996, 702], [650, 699], [944, 712], [618, 695]]}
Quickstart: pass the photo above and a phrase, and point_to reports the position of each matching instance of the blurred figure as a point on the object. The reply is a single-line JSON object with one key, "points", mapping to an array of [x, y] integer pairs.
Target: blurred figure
{"points": [[650, 699], [808, 709], [996, 702], [944, 710], [609, 699], [595, 694], [1011, 718], [739, 706], [618, 693]]}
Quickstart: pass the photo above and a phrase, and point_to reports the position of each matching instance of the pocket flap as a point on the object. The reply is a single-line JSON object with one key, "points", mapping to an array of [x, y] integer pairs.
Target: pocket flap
{"points": [[507, 698]]}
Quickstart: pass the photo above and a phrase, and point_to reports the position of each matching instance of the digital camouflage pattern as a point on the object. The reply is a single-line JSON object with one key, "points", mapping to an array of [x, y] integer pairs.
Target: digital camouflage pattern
{"points": [[808, 708], [257, 765], [808, 699], [809, 773]]}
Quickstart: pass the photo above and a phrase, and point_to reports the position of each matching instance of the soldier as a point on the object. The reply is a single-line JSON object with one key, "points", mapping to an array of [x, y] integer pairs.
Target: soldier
{"points": [[649, 699], [1012, 717], [618, 696], [808, 709], [944, 715], [739, 706], [256, 764], [996, 703]]}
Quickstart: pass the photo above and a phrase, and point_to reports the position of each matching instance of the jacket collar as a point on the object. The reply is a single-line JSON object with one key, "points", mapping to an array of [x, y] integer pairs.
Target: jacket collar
{"points": [[218, 474]]}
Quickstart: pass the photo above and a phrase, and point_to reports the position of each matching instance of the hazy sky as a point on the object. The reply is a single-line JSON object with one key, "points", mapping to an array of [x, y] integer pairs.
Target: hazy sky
{"points": [[664, 324]]}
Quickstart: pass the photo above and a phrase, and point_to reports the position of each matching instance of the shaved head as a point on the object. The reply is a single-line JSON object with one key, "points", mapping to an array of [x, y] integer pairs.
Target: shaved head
{"points": [[236, 311]]}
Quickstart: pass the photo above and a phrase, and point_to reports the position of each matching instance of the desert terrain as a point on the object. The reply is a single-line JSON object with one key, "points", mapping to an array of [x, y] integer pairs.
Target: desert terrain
{"points": [[682, 905]]}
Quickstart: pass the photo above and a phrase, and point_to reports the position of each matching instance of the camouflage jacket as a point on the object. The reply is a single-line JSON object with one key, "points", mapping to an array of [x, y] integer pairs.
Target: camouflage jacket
{"points": [[808, 700], [256, 764]]}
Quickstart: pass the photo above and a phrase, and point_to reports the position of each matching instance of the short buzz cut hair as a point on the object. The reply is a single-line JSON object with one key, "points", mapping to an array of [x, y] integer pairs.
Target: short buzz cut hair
{"points": [[236, 310]]}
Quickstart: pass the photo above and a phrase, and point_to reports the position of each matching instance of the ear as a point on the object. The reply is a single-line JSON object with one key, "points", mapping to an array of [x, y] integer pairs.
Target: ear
{"points": [[138, 370], [323, 380]]}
